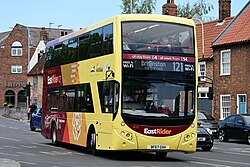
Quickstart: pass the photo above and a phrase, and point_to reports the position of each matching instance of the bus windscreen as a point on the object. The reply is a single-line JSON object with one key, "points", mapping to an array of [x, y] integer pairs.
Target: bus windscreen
{"points": [[157, 37]]}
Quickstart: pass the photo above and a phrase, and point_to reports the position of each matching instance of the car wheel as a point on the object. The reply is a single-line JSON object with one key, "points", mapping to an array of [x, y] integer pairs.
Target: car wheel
{"points": [[208, 148], [161, 155], [53, 134], [92, 143], [222, 136], [32, 128], [248, 138]]}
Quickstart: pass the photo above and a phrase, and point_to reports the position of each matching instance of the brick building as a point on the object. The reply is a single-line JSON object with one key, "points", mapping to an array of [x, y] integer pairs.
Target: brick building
{"points": [[206, 33], [206, 60], [231, 67], [17, 47]]}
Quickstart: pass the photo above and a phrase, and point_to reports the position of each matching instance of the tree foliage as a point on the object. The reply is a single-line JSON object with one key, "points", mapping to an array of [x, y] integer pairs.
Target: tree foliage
{"points": [[138, 6], [200, 8]]}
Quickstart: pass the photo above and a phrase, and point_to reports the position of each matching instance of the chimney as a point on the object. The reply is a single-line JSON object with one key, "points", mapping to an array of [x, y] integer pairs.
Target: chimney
{"points": [[43, 34], [224, 9], [169, 8]]}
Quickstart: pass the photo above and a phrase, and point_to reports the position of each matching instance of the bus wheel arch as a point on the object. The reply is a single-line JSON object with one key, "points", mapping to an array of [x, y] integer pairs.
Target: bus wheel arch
{"points": [[91, 140]]}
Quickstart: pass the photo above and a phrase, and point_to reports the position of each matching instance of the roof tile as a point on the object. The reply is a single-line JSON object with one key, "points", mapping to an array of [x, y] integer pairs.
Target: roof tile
{"points": [[238, 30], [211, 30]]}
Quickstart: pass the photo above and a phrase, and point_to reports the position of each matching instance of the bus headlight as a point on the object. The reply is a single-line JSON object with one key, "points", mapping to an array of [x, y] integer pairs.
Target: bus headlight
{"points": [[188, 137], [127, 135]]}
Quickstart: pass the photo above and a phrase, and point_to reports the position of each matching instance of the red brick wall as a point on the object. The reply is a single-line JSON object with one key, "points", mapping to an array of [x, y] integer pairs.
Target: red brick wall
{"points": [[238, 82], [7, 61]]}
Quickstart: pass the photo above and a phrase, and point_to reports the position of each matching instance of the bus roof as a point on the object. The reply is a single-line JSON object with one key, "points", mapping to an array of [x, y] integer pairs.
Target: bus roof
{"points": [[124, 17]]}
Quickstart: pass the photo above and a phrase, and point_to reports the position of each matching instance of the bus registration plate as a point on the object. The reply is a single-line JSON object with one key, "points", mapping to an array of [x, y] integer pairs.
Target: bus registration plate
{"points": [[158, 147]]}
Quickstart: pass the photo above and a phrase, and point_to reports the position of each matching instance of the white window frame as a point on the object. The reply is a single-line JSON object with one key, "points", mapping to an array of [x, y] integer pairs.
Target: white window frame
{"points": [[16, 69], [203, 90], [222, 64], [224, 107], [202, 74], [16, 49]]}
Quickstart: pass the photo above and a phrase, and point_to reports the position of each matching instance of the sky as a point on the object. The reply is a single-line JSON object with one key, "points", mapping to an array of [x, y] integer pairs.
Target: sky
{"points": [[76, 14]]}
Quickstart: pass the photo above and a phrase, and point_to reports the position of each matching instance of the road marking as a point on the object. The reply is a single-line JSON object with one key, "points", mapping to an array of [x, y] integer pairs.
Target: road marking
{"points": [[3, 126], [56, 153], [25, 153], [6, 138], [50, 146], [27, 146], [218, 160], [11, 147], [209, 164], [29, 163], [13, 155], [235, 153], [12, 128]]}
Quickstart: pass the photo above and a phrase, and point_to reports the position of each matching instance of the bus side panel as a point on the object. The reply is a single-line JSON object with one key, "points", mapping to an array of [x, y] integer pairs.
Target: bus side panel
{"points": [[76, 128]]}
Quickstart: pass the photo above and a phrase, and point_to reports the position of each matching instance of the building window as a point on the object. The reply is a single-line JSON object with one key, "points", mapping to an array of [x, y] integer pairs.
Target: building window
{"points": [[203, 92], [225, 103], [202, 95], [16, 69], [16, 49], [202, 70], [35, 83], [225, 62]]}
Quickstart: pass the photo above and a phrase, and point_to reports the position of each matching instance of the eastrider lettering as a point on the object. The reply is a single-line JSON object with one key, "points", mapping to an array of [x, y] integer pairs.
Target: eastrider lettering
{"points": [[157, 131]]}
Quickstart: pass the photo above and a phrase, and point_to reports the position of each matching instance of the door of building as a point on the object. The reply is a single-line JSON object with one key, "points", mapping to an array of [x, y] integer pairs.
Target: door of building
{"points": [[241, 104]]}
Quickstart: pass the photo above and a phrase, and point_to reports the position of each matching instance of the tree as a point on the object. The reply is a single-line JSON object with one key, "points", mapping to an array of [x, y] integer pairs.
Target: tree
{"points": [[138, 6], [200, 8]]}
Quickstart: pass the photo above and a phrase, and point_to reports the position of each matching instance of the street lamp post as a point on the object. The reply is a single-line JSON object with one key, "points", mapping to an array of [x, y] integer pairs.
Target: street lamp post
{"points": [[131, 6], [28, 67], [202, 34]]}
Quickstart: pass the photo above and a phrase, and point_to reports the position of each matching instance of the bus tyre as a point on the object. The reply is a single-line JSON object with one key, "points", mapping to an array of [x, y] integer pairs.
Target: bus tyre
{"points": [[161, 155], [92, 143], [32, 128], [53, 134]]}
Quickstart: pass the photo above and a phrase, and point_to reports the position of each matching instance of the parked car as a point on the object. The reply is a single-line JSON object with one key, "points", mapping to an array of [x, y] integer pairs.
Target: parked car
{"points": [[204, 138], [35, 120], [207, 121], [235, 126]]}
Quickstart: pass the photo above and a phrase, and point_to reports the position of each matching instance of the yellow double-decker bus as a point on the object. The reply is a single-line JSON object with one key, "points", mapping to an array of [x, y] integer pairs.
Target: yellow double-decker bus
{"points": [[126, 83]]}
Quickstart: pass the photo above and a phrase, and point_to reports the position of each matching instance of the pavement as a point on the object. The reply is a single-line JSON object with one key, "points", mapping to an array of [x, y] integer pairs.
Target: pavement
{"points": [[20, 115], [9, 162]]}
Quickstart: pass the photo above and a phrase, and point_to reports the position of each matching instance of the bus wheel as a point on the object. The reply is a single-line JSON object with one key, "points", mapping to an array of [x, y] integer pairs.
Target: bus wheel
{"points": [[161, 155], [53, 134], [92, 143]]}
